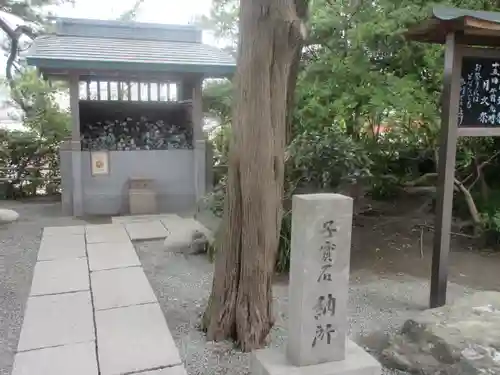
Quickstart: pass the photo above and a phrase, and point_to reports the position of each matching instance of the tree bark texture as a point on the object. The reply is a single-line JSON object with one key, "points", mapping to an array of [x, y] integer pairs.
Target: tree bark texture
{"points": [[302, 9], [240, 306]]}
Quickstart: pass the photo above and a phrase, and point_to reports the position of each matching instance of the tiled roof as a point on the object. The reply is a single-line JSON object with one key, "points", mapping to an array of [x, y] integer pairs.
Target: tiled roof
{"points": [[444, 13], [80, 48]]}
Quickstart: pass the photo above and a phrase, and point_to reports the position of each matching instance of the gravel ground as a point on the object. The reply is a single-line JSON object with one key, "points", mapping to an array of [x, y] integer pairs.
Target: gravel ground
{"points": [[182, 285], [18, 250]]}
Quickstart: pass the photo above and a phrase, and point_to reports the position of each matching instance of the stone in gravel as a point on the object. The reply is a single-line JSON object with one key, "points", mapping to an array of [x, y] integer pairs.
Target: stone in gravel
{"points": [[186, 239], [74, 359], [175, 223], [57, 320], [461, 338], [8, 216]]}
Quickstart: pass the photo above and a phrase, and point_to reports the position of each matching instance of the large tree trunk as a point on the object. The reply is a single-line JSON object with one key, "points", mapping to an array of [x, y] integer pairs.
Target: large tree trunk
{"points": [[241, 302]]}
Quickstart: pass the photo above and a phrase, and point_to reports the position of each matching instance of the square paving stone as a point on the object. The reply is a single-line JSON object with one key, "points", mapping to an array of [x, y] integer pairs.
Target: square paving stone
{"points": [[57, 231], [176, 370], [172, 221], [60, 276], [121, 287], [73, 359], [134, 339], [110, 255], [57, 320], [137, 218], [65, 246], [106, 233], [146, 230]]}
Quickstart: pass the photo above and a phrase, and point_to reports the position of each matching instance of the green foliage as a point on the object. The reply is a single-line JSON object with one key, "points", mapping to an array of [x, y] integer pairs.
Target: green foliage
{"points": [[215, 199], [368, 106], [325, 158], [223, 22], [28, 163], [131, 14], [283, 258], [29, 160], [46, 119], [29, 10], [217, 99]]}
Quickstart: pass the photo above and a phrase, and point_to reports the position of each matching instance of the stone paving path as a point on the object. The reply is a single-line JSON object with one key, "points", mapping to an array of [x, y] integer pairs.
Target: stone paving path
{"points": [[91, 309]]}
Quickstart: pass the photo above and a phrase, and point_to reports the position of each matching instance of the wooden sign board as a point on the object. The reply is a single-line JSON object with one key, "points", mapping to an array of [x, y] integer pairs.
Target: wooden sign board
{"points": [[479, 93], [471, 107], [479, 101]]}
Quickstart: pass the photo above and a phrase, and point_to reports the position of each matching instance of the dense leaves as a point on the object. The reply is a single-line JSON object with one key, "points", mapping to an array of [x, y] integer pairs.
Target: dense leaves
{"points": [[368, 107], [29, 160]]}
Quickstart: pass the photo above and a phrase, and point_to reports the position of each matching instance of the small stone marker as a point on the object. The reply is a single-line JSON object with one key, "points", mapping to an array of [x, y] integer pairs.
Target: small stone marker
{"points": [[319, 278], [318, 295]]}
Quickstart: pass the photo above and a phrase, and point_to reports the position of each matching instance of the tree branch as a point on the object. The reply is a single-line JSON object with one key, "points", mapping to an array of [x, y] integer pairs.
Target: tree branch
{"points": [[412, 187], [421, 179], [15, 35], [479, 169], [474, 213]]}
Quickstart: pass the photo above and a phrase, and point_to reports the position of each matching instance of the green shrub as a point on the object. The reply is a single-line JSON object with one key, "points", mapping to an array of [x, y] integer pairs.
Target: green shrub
{"points": [[283, 257], [326, 158]]}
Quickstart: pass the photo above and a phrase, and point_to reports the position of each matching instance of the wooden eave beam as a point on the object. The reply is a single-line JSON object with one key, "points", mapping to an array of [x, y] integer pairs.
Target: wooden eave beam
{"points": [[475, 31]]}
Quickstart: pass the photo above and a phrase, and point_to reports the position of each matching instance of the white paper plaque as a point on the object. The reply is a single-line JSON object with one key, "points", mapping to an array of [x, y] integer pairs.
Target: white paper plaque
{"points": [[99, 161]]}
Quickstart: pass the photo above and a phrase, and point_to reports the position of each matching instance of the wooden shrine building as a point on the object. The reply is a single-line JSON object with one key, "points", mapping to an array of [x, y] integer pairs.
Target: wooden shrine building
{"points": [[135, 100]]}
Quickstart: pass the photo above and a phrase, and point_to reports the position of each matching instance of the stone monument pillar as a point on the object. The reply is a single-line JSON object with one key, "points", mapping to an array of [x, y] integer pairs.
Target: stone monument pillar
{"points": [[318, 295]]}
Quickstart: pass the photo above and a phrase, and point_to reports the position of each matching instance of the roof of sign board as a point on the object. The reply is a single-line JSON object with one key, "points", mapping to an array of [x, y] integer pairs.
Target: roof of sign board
{"points": [[477, 27]]}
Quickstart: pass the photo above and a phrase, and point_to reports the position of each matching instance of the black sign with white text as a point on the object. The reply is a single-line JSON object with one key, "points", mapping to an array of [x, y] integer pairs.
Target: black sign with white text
{"points": [[479, 93]]}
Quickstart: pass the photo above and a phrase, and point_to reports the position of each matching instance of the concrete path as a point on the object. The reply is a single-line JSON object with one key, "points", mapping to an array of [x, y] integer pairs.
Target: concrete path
{"points": [[91, 309]]}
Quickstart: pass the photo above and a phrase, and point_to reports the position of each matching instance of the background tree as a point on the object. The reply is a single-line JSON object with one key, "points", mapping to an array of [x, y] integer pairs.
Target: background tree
{"points": [[21, 21], [367, 113], [223, 22], [241, 303], [131, 14]]}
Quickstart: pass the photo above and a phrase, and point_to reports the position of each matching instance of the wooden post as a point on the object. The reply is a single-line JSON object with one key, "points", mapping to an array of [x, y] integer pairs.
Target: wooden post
{"points": [[446, 170], [76, 152], [108, 88], [199, 146], [98, 90], [74, 98], [89, 96], [197, 109]]}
